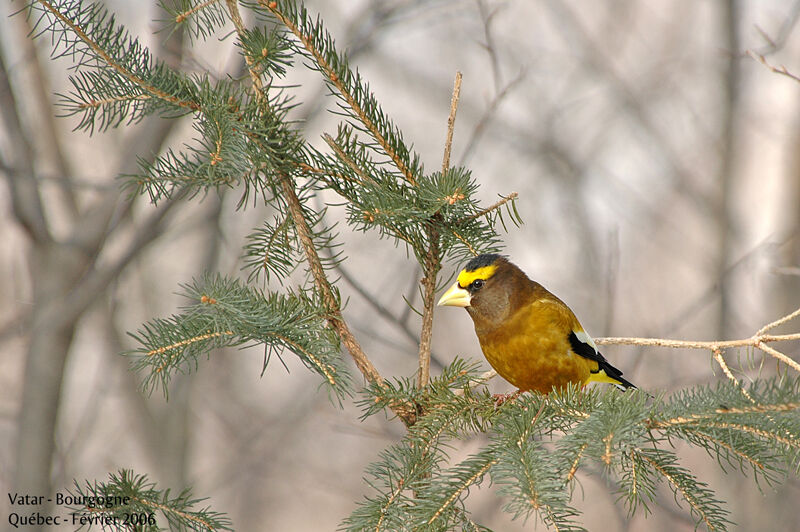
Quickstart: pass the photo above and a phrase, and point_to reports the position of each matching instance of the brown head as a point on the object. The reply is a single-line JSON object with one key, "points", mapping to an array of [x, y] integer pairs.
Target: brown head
{"points": [[490, 288]]}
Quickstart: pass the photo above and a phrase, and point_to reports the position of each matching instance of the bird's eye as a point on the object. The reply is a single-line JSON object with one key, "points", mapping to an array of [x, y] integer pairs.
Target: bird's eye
{"points": [[477, 284]]}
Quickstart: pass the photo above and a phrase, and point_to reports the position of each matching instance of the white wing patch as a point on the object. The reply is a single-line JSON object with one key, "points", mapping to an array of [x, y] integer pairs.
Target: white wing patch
{"points": [[583, 337]]}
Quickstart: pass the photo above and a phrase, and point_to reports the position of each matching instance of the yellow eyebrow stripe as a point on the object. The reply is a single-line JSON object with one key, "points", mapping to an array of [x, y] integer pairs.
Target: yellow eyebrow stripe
{"points": [[466, 278]]}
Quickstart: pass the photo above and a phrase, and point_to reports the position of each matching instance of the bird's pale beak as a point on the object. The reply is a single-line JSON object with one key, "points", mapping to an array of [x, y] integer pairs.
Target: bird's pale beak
{"points": [[455, 297]]}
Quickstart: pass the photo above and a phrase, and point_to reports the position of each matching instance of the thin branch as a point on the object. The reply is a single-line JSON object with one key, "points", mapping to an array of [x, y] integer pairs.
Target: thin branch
{"points": [[433, 258], [688, 497], [323, 285], [451, 122], [181, 17], [758, 341], [782, 70], [236, 18], [778, 322], [490, 208], [431, 268], [465, 485], [725, 369]]}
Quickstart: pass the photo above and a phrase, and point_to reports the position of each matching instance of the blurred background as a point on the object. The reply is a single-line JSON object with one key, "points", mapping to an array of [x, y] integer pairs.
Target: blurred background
{"points": [[658, 172]]}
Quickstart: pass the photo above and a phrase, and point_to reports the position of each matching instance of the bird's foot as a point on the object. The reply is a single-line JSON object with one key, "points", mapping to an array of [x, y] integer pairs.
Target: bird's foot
{"points": [[501, 398]]}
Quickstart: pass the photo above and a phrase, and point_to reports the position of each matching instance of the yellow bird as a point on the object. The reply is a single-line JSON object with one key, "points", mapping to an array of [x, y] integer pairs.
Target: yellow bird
{"points": [[528, 335]]}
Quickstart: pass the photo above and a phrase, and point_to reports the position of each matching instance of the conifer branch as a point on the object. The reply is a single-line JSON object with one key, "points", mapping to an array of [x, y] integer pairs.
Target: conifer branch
{"points": [[304, 232], [679, 487], [102, 54], [493, 207], [323, 285], [255, 78], [340, 153], [364, 364], [335, 80], [463, 485], [126, 494], [183, 15]]}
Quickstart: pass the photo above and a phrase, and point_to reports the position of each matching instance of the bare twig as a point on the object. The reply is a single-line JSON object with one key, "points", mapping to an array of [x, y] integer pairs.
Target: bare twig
{"points": [[760, 340], [782, 70], [433, 259], [728, 373], [451, 122]]}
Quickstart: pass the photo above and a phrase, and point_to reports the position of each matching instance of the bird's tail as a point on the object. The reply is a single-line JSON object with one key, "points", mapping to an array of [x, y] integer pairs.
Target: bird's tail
{"points": [[608, 373]]}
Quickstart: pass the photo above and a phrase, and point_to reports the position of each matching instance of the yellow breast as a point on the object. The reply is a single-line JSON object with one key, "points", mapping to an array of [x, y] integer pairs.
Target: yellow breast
{"points": [[531, 350]]}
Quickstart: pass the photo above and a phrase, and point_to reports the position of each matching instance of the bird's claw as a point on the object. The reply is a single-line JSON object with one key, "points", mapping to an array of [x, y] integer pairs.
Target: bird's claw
{"points": [[501, 398]]}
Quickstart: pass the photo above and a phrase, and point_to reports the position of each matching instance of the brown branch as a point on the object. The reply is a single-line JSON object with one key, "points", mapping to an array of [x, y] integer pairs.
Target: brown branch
{"points": [[364, 364], [758, 341], [433, 257], [725, 369], [431, 267], [258, 86], [181, 17], [451, 122], [323, 285]]}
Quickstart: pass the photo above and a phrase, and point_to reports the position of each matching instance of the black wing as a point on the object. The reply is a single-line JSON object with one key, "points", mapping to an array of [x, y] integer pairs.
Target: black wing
{"points": [[587, 351]]}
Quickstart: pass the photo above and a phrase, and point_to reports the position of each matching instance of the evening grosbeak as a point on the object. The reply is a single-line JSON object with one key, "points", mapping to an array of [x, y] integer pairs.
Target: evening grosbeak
{"points": [[528, 335]]}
